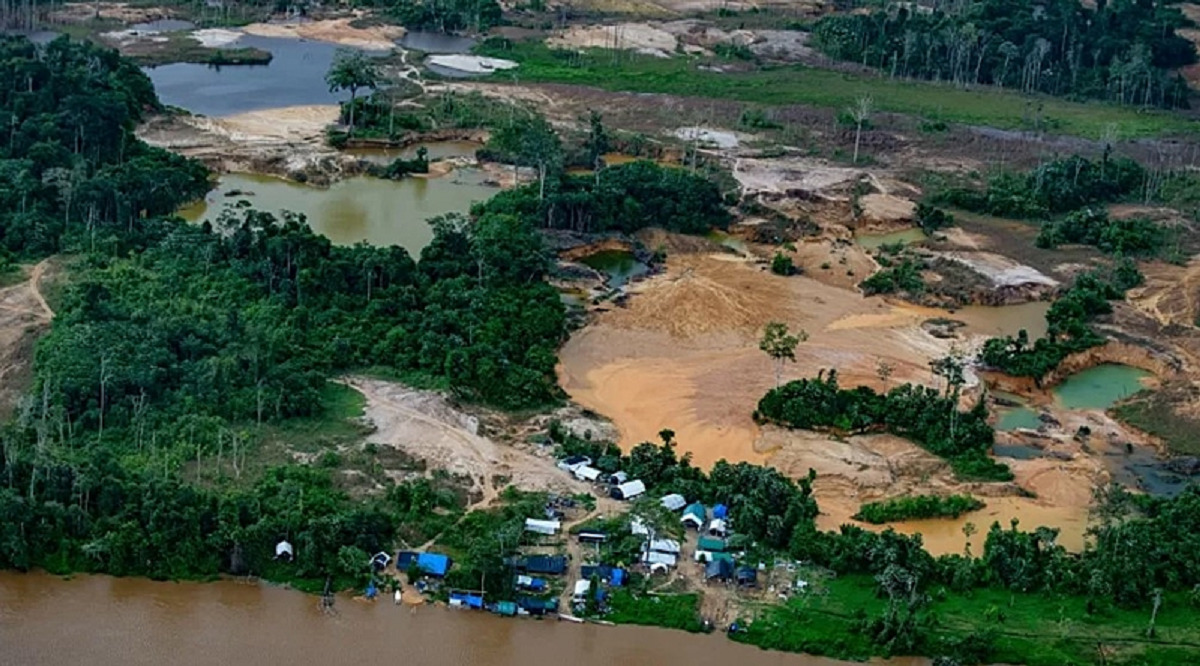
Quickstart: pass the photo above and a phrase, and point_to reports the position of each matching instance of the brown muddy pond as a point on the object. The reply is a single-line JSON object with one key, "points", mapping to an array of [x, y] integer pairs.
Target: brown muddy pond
{"points": [[380, 212], [103, 621]]}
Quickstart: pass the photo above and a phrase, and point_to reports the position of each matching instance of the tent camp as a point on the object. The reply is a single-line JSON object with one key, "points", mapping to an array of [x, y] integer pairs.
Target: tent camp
{"points": [[717, 528], [718, 569], [587, 473], [673, 502], [628, 490], [653, 557], [694, 515], [638, 527], [548, 527], [669, 546]]}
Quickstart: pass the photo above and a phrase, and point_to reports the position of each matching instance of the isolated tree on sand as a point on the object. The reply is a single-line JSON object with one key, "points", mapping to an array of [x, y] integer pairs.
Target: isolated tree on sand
{"points": [[779, 343], [861, 113], [352, 70]]}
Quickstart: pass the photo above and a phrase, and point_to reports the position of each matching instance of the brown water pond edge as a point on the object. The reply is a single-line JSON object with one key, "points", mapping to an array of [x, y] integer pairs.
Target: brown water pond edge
{"points": [[132, 621]]}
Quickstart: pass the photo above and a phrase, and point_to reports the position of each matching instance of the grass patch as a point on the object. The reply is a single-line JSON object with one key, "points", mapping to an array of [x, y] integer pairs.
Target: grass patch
{"points": [[674, 611], [1153, 412], [797, 84], [1031, 629]]}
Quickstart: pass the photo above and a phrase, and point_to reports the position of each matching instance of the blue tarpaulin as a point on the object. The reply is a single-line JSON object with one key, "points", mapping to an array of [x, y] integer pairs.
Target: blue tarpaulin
{"points": [[434, 564], [618, 578], [720, 511], [372, 590]]}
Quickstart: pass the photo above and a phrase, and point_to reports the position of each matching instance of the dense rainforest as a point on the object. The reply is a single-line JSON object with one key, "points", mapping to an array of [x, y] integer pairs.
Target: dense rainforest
{"points": [[174, 342], [1126, 51]]}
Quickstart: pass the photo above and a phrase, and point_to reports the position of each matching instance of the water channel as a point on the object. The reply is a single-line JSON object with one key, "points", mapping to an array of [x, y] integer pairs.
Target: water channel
{"points": [[103, 621], [380, 212]]}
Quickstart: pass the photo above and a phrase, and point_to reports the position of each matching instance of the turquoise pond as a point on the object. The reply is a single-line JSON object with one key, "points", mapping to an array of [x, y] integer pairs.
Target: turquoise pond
{"points": [[1100, 387]]}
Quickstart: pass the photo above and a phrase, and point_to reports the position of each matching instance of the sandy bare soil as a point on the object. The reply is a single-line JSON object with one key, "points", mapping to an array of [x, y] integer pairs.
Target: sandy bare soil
{"points": [[423, 425], [334, 31], [684, 352], [867, 468], [80, 12], [639, 37], [278, 141], [24, 317]]}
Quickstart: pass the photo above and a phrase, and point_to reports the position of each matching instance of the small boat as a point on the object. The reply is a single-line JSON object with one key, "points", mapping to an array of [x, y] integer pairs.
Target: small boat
{"points": [[570, 618]]}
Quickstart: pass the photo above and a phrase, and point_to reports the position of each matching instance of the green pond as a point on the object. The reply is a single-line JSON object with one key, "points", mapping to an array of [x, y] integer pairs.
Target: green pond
{"points": [[1099, 387], [620, 266], [903, 237], [380, 212], [1012, 418], [724, 239]]}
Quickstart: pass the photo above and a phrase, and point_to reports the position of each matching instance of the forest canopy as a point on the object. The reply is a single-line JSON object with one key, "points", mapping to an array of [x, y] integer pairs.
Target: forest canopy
{"points": [[1126, 51]]}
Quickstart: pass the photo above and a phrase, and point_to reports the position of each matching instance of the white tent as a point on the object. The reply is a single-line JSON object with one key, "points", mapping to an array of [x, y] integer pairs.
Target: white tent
{"points": [[652, 558], [542, 526], [673, 502], [638, 527], [283, 551], [617, 478], [717, 527], [581, 589], [585, 473], [669, 546], [630, 490]]}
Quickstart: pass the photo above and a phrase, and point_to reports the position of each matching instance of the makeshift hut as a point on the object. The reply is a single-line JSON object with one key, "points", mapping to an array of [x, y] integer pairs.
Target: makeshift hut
{"points": [[711, 544], [553, 565], [284, 551], [673, 502], [505, 608], [669, 546], [717, 528], [652, 558], [694, 515], [721, 511], [434, 564], [380, 561], [587, 473], [592, 536], [628, 490], [530, 583], [547, 527], [617, 478], [719, 569], [747, 576]]}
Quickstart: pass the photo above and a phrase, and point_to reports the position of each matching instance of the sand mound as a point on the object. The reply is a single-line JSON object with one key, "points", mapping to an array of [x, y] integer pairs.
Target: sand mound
{"points": [[216, 37], [635, 36], [790, 175], [469, 63], [886, 209], [334, 31], [686, 302]]}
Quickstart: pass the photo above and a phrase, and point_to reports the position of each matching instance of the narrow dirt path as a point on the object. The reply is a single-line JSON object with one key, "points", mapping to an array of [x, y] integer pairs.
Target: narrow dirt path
{"points": [[35, 279]]}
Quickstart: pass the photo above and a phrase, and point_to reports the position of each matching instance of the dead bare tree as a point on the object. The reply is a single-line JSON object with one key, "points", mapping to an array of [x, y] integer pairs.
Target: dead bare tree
{"points": [[861, 113]]}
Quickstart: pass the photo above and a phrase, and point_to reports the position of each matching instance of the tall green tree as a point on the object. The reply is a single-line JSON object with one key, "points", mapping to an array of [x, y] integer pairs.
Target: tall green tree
{"points": [[352, 70]]}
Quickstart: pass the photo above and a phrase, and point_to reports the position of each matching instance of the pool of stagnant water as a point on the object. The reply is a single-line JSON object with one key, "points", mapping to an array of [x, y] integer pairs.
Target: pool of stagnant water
{"points": [[618, 266], [379, 212], [1099, 387]]}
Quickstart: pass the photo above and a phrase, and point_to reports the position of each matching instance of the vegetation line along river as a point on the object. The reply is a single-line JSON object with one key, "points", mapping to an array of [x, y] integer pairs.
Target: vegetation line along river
{"points": [[126, 622]]}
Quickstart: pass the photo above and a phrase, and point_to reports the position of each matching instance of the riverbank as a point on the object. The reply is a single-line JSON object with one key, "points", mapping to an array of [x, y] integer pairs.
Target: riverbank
{"points": [[233, 622]]}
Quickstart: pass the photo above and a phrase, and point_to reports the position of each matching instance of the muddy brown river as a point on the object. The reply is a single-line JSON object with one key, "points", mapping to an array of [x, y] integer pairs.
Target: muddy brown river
{"points": [[103, 621]]}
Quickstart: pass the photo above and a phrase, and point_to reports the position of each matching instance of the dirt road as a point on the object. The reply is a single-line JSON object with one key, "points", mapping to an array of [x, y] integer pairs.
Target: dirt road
{"points": [[24, 317], [424, 425]]}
